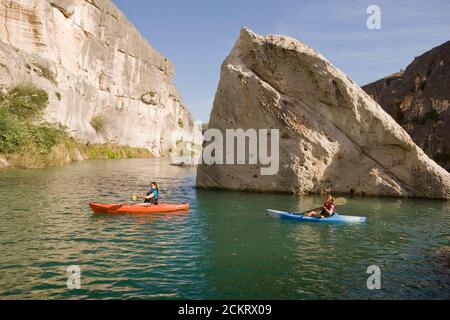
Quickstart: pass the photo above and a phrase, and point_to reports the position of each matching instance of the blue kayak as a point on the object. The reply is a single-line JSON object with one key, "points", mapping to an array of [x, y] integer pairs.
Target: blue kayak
{"points": [[336, 218]]}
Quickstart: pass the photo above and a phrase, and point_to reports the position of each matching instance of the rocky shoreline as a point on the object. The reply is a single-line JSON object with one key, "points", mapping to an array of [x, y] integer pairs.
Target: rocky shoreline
{"points": [[65, 154]]}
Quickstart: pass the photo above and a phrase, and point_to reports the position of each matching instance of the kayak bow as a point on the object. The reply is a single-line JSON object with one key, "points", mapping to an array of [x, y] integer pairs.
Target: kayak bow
{"points": [[336, 218]]}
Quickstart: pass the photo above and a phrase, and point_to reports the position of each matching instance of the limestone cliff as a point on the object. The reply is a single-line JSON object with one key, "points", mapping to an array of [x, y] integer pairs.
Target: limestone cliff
{"points": [[105, 82], [333, 136], [419, 99]]}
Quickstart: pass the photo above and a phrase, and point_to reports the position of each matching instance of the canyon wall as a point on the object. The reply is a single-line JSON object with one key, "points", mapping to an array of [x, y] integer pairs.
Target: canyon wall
{"points": [[418, 98], [105, 82]]}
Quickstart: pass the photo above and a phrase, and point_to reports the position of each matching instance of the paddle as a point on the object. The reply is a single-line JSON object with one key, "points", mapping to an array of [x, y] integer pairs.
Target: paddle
{"points": [[302, 213], [340, 201], [134, 197], [337, 202]]}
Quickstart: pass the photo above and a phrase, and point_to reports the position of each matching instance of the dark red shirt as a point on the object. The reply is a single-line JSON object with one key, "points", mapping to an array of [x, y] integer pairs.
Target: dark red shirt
{"points": [[329, 205]]}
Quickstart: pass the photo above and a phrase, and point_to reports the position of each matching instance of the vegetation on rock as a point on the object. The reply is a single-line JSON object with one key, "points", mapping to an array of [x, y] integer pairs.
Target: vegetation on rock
{"points": [[29, 142], [98, 123], [18, 109]]}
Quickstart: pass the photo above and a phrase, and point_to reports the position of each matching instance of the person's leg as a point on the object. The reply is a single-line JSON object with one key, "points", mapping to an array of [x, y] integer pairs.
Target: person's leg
{"points": [[312, 214], [324, 214], [148, 202], [151, 201]]}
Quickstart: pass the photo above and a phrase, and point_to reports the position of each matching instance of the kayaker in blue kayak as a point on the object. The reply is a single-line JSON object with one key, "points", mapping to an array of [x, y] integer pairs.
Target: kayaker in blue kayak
{"points": [[152, 195], [327, 211]]}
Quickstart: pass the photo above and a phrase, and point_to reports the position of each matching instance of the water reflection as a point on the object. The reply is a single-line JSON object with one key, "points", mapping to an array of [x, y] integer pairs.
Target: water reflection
{"points": [[284, 259]]}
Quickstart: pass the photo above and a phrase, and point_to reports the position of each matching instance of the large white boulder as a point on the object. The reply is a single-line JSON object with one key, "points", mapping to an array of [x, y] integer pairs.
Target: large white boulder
{"points": [[333, 136]]}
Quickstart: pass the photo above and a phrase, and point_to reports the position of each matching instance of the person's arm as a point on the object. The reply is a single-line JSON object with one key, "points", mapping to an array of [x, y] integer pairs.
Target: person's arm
{"points": [[149, 196], [331, 210]]}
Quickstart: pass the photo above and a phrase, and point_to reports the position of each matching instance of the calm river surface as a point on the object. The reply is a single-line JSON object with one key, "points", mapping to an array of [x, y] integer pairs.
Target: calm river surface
{"points": [[224, 248]]}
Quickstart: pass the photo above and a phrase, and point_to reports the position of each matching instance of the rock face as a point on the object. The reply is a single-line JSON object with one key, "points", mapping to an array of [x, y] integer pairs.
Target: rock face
{"points": [[419, 99], [333, 136], [3, 163], [95, 65]]}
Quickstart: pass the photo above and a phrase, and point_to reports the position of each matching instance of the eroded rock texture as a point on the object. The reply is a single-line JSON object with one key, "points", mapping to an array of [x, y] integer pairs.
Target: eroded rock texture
{"points": [[419, 99], [333, 136], [95, 65]]}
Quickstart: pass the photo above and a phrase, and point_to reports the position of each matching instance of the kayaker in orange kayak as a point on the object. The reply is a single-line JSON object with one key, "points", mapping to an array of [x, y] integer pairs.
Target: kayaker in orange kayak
{"points": [[328, 209], [151, 197]]}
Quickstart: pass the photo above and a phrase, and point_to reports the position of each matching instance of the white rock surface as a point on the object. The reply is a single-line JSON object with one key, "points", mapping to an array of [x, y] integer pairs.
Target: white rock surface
{"points": [[79, 156], [334, 137], [89, 54], [3, 163]]}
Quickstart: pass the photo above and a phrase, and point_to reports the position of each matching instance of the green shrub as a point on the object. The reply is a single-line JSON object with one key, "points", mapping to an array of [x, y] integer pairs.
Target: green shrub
{"points": [[58, 95], [98, 123], [27, 101], [13, 134], [17, 132], [46, 136], [3, 100], [29, 144], [112, 151], [111, 154]]}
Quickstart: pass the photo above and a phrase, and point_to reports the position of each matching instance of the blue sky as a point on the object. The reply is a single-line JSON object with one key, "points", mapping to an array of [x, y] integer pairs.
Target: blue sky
{"points": [[197, 35]]}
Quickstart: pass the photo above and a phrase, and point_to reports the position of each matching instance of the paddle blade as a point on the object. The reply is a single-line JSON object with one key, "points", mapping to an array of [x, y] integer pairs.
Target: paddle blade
{"points": [[340, 201], [134, 197]]}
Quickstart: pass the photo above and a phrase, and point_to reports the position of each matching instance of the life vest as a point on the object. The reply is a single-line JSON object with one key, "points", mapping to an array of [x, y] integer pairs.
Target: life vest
{"points": [[155, 193]]}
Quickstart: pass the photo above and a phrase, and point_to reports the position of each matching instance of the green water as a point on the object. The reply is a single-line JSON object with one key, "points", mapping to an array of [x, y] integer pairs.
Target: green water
{"points": [[225, 247]]}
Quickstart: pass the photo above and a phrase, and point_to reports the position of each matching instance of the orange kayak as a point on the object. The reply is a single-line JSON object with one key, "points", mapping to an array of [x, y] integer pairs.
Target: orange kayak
{"points": [[138, 208]]}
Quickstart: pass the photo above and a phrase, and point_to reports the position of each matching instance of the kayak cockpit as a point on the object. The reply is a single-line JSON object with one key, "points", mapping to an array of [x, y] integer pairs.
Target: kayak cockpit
{"points": [[336, 218]]}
